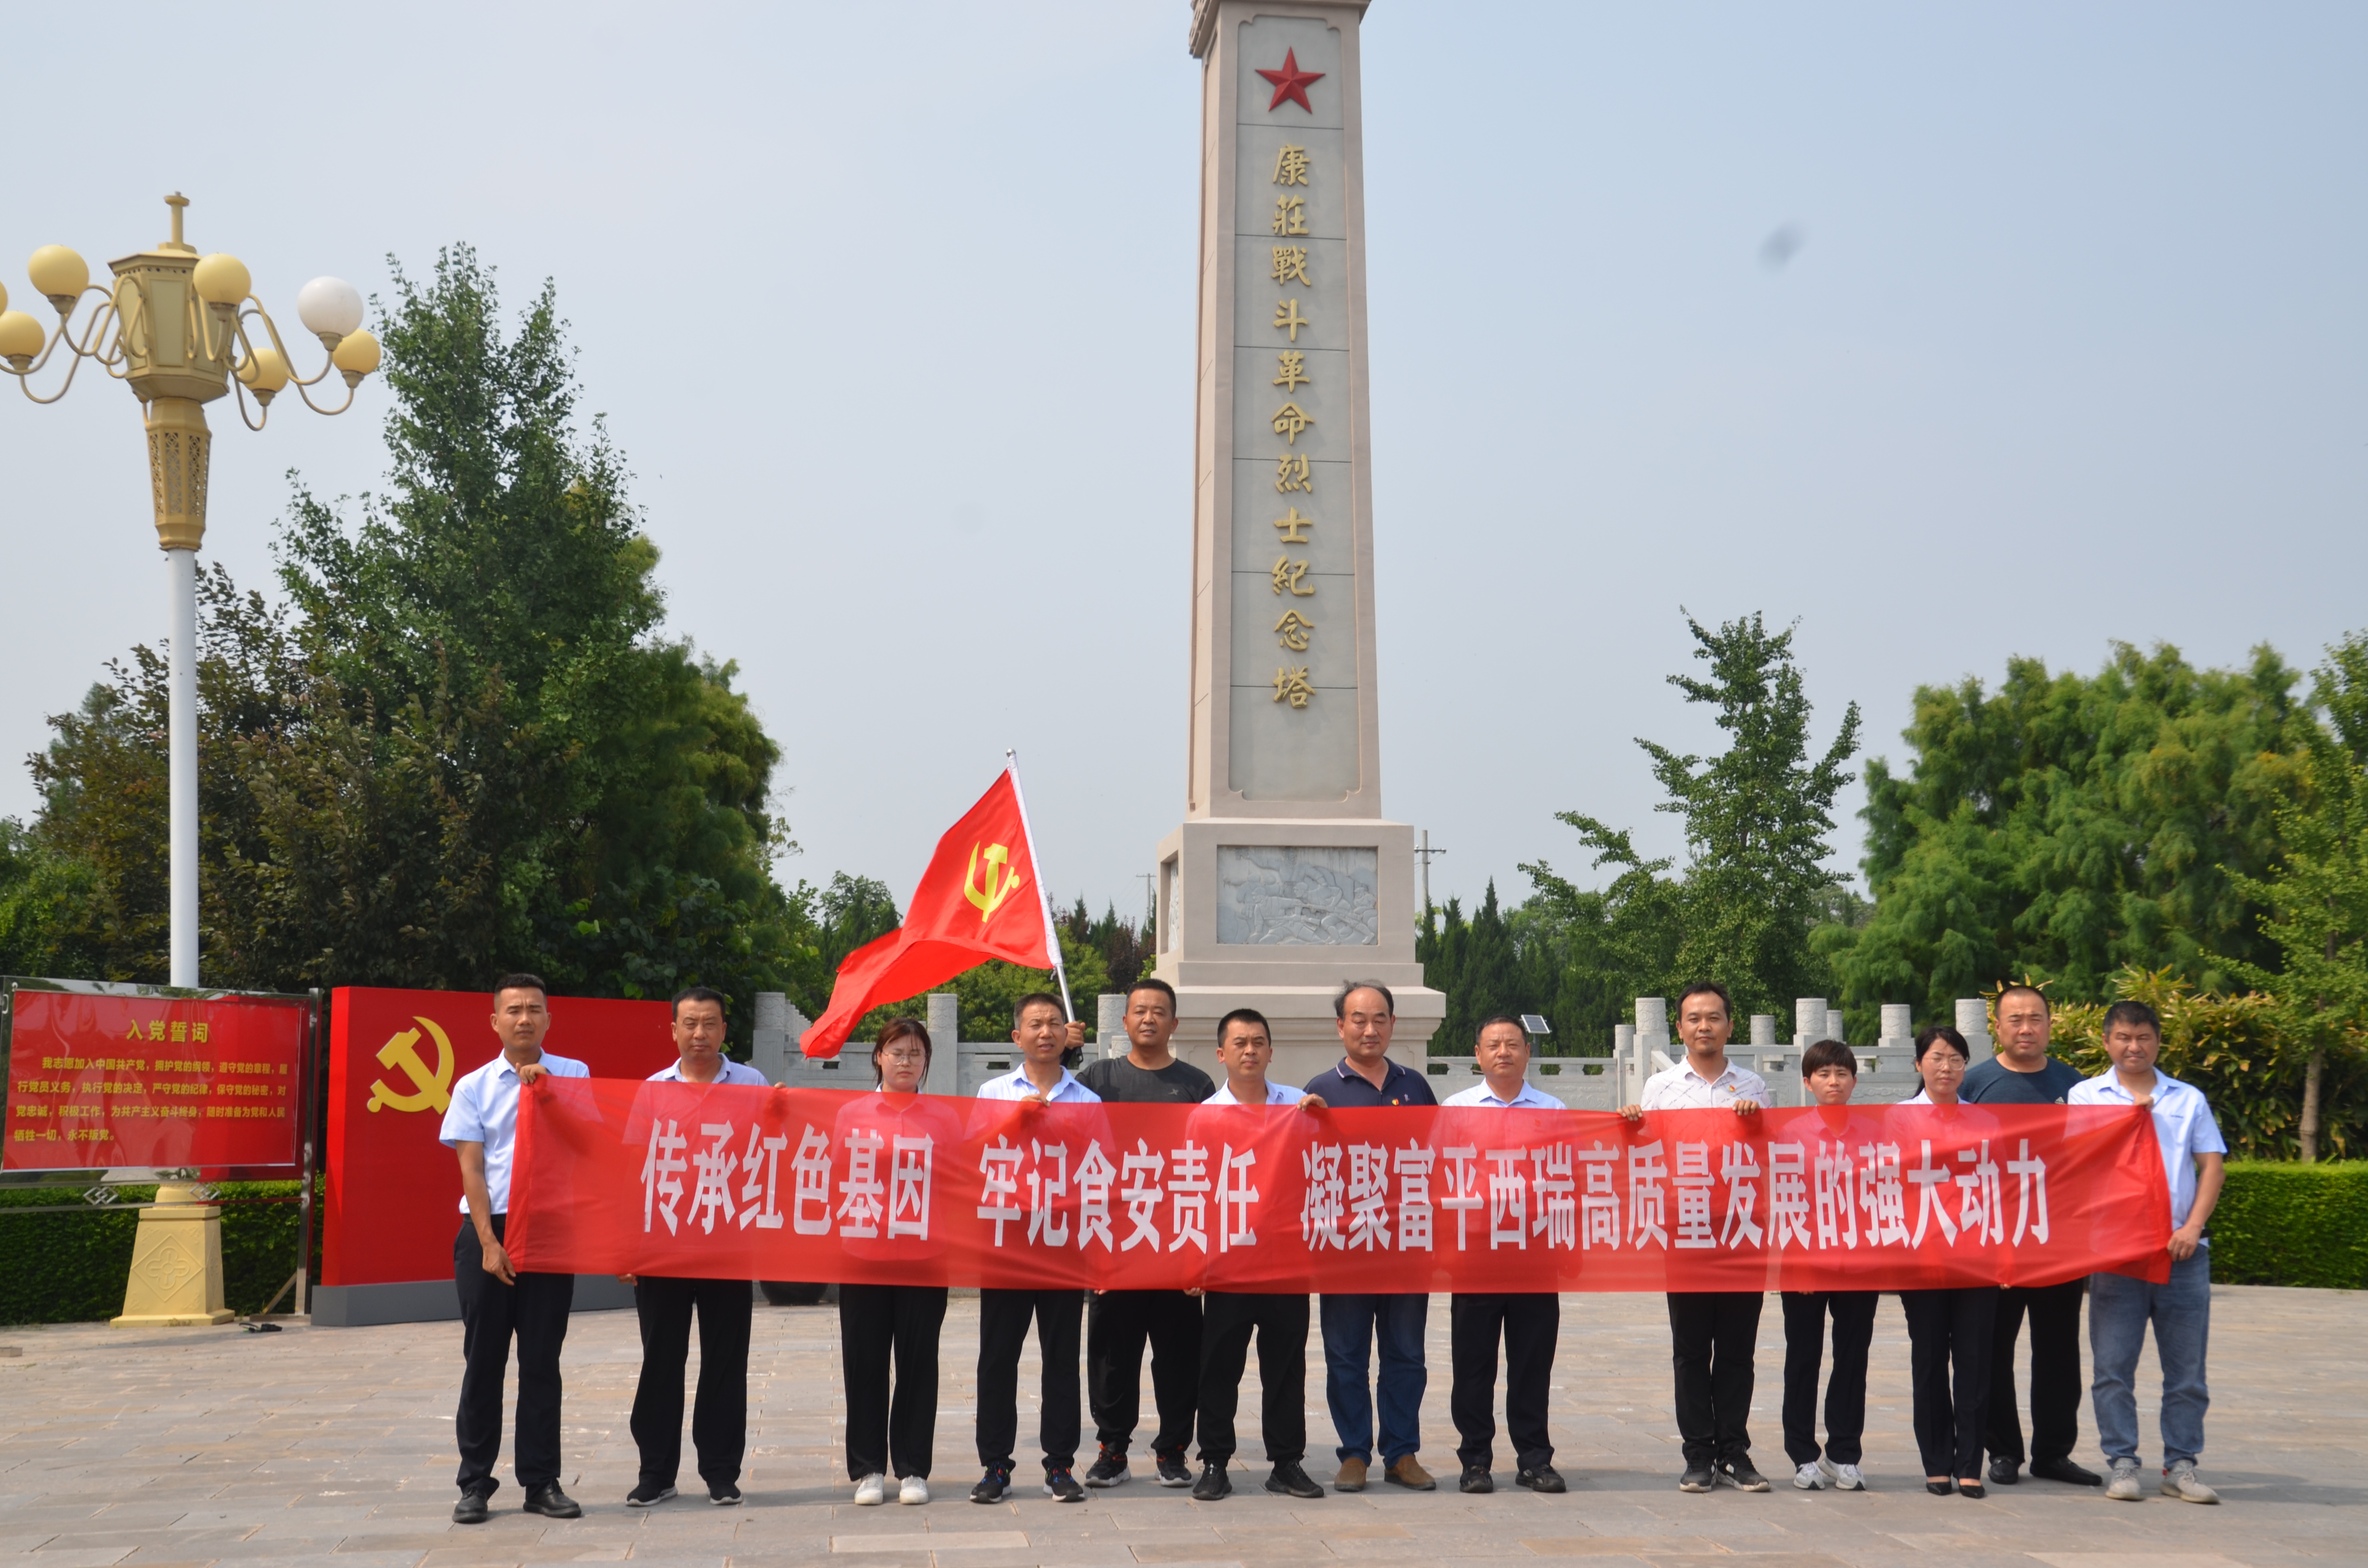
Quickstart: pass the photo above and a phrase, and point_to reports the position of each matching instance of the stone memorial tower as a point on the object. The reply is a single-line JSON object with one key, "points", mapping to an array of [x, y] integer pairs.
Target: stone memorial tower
{"points": [[1284, 880]]}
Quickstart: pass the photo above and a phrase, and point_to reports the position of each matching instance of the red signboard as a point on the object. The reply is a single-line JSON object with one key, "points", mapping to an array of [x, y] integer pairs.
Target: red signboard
{"points": [[393, 1198], [100, 1081]]}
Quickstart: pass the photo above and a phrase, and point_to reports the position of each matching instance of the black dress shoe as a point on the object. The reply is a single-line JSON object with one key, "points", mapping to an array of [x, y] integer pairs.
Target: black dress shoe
{"points": [[1940, 1488], [1214, 1483], [1541, 1478], [1478, 1479], [471, 1509], [551, 1503], [1970, 1489], [2004, 1472], [1289, 1480], [2064, 1470]]}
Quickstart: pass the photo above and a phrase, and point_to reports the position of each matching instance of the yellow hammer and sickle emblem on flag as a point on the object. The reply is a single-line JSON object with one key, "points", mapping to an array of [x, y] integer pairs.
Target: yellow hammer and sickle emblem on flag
{"points": [[997, 888], [430, 1090]]}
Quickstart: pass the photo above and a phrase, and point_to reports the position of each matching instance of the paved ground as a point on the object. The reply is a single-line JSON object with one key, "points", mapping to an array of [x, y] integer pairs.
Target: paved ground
{"points": [[335, 1445]]}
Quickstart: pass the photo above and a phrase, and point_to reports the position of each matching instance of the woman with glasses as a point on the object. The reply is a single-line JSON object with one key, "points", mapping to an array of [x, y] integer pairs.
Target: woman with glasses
{"points": [[878, 1323], [1950, 1328]]}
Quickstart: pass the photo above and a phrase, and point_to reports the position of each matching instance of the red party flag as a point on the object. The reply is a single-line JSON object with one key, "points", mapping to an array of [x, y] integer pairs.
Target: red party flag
{"points": [[980, 899]]}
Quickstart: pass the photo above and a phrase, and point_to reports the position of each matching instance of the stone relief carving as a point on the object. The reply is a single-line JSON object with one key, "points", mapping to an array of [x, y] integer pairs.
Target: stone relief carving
{"points": [[1298, 896]]}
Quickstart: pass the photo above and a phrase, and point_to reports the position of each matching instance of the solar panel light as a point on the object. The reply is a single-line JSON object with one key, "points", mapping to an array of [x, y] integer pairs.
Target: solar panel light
{"points": [[1532, 1023]]}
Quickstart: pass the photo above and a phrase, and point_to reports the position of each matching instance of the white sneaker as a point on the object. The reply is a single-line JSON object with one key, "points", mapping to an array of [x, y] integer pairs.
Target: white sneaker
{"points": [[871, 1491], [2125, 1487], [913, 1492], [1848, 1478], [2178, 1481], [1810, 1477]]}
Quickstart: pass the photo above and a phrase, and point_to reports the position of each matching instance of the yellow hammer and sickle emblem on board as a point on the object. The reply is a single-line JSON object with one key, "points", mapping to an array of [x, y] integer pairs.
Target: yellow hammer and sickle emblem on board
{"points": [[430, 1090], [997, 887]]}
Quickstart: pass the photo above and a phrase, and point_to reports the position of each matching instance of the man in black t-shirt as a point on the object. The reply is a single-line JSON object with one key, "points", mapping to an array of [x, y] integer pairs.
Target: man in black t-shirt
{"points": [[1119, 1322], [2023, 1073]]}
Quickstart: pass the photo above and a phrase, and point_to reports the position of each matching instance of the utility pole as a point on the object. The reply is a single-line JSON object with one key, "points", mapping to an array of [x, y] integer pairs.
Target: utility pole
{"points": [[1149, 907], [1424, 852]]}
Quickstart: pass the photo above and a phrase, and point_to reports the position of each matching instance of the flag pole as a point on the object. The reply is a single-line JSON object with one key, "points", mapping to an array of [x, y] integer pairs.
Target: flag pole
{"points": [[1043, 887]]}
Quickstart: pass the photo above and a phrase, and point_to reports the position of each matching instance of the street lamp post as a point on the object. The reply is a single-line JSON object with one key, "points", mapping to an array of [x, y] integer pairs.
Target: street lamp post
{"points": [[175, 325]]}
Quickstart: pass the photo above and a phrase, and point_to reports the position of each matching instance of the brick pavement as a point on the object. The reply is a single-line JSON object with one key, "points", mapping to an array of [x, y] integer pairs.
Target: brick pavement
{"points": [[334, 1445]]}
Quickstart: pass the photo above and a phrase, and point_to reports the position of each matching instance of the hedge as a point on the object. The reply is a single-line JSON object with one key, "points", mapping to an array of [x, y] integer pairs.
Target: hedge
{"points": [[2288, 1225], [72, 1268]]}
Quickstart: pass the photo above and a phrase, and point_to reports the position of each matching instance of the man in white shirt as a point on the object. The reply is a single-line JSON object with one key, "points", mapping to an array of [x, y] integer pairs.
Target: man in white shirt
{"points": [[1043, 1036], [1713, 1331], [2121, 1307], [1529, 1321], [719, 1421], [1245, 1048], [497, 1302]]}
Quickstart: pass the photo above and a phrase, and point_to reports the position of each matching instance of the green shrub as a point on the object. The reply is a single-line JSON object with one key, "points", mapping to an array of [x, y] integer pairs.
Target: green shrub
{"points": [[73, 1266], [2289, 1224]]}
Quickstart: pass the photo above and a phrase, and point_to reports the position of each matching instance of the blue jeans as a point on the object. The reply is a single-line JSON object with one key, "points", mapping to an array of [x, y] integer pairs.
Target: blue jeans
{"points": [[1350, 1325], [2118, 1310]]}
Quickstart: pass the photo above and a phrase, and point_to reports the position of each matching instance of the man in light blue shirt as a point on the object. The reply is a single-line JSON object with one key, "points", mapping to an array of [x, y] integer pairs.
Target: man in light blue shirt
{"points": [[1041, 1030], [497, 1301], [2120, 1307], [1529, 1322]]}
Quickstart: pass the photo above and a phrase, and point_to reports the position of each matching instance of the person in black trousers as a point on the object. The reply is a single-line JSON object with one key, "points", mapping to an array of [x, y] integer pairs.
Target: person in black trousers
{"points": [[499, 1303], [881, 1323], [1949, 1327], [2023, 1073], [1831, 1072], [719, 1421]]}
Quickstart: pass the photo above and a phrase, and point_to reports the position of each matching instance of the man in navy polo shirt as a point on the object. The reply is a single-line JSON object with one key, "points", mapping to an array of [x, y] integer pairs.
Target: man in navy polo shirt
{"points": [[1365, 1015]]}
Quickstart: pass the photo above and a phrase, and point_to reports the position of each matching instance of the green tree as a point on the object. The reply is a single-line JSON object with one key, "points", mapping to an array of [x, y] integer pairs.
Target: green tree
{"points": [[2067, 827], [1757, 815]]}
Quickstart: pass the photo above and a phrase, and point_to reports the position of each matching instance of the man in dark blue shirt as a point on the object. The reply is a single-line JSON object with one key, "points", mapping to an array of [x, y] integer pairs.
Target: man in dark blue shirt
{"points": [[1365, 1015], [2023, 1073]]}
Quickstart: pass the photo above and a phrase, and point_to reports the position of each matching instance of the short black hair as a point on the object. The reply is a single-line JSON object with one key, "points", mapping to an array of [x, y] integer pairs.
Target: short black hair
{"points": [[1149, 983], [2130, 1015], [1350, 988], [1706, 988], [1494, 1019], [700, 994], [1829, 1053], [1037, 999], [2021, 986], [521, 981], [1941, 1034], [1243, 1016]]}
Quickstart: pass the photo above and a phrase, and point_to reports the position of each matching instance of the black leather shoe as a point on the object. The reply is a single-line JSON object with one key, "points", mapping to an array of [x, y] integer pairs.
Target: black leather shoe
{"points": [[1970, 1489], [1478, 1479], [2064, 1470], [2005, 1471], [551, 1503], [1698, 1478], [1214, 1483], [1289, 1480], [1938, 1488], [1541, 1478], [471, 1509]]}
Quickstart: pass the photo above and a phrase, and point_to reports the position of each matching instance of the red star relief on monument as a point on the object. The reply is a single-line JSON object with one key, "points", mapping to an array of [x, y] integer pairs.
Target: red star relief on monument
{"points": [[1290, 83]]}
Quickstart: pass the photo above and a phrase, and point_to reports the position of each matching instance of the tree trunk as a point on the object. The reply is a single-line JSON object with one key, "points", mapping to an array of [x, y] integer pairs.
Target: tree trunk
{"points": [[2310, 1104]]}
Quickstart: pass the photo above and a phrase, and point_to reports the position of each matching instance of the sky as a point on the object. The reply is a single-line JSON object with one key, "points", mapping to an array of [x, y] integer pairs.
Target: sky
{"points": [[1944, 332]]}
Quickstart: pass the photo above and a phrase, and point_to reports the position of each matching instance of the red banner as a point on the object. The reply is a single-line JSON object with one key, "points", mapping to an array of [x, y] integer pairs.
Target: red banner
{"points": [[814, 1183], [393, 1198], [98, 1081]]}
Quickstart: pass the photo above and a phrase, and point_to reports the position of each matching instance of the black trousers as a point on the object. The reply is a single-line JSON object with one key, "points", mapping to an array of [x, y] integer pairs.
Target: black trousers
{"points": [[1118, 1323], [1530, 1323], [1946, 1329], [719, 1421], [876, 1321], [1805, 1352], [1003, 1318], [1711, 1334], [534, 1311], [1226, 1321], [2055, 1382]]}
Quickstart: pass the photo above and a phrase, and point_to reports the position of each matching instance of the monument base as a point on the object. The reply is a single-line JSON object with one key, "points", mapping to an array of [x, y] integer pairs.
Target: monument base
{"points": [[176, 1269]]}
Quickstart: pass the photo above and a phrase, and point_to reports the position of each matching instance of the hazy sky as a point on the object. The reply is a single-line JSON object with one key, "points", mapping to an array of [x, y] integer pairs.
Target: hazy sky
{"points": [[891, 309]]}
